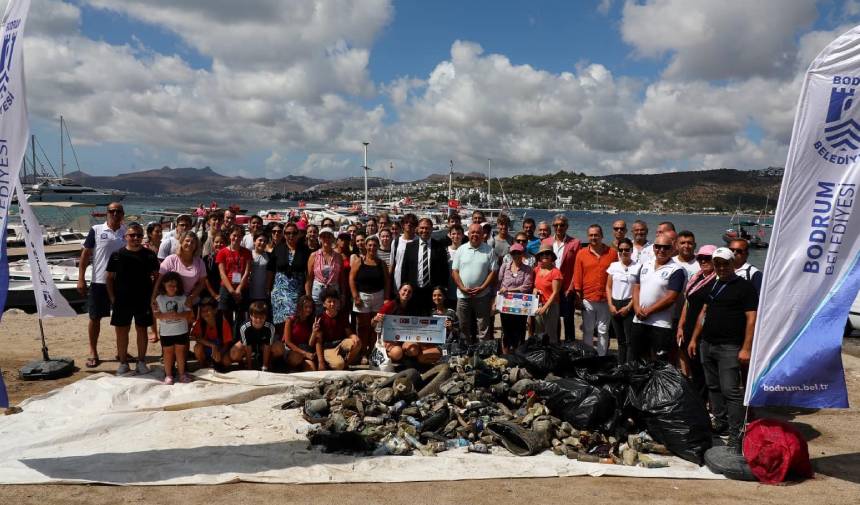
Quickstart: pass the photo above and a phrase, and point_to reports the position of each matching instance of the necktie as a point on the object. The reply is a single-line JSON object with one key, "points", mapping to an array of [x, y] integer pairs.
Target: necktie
{"points": [[425, 266]]}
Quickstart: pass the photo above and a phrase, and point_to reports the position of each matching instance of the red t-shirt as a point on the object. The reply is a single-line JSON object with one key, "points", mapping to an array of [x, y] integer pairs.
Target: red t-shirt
{"points": [[211, 332], [543, 282], [333, 329], [234, 262], [300, 331], [391, 307]]}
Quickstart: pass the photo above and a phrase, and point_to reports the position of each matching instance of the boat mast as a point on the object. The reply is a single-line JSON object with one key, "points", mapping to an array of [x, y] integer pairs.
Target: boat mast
{"points": [[33, 147], [450, 179], [62, 164], [489, 182], [390, 181], [366, 208]]}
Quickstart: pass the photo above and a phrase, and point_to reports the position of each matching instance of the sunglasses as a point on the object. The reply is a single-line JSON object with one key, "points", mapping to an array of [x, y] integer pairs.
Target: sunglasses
{"points": [[522, 241], [624, 250], [557, 225], [115, 211], [703, 258], [619, 229], [738, 251], [662, 247], [134, 235]]}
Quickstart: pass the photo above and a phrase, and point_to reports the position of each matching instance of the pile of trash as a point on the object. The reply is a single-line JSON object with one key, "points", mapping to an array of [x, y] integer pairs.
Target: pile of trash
{"points": [[555, 397]]}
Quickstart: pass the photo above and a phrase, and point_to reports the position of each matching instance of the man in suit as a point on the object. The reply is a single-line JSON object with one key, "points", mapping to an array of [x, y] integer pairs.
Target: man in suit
{"points": [[565, 247], [425, 266]]}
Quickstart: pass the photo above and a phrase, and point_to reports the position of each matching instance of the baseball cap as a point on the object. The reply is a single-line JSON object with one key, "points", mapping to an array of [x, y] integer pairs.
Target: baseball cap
{"points": [[724, 253], [516, 248], [706, 250]]}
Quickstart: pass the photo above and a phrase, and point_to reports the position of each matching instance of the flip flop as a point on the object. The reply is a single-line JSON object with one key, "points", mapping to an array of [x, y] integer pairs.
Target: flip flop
{"points": [[93, 362]]}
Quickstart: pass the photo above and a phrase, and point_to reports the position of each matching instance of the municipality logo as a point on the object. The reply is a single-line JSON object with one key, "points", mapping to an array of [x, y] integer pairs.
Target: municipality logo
{"points": [[840, 140], [7, 51]]}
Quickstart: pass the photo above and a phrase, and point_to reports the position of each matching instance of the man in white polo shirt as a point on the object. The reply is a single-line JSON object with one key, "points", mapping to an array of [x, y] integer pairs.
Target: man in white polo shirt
{"points": [[660, 282], [102, 241], [474, 271]]}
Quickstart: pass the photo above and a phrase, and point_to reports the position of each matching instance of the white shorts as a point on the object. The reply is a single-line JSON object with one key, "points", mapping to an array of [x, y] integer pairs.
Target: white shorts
{"points": [[371, 302]]}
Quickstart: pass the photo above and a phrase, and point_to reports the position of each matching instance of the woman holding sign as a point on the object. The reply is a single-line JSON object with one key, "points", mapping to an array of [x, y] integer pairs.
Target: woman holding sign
{"points": [[425, 354], [514, 277]]}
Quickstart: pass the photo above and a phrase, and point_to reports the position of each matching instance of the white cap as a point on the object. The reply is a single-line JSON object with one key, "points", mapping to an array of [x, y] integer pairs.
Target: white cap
{"points": [[724, 253], [327, 230]]}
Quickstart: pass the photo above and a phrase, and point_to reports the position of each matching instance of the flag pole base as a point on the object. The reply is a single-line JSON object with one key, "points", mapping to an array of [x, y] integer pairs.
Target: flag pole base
{"points": [[46, 368], [49, 369]]}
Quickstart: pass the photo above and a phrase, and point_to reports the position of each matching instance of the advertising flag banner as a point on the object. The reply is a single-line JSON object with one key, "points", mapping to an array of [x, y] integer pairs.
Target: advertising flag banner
{"points": [[49, 301], [14, 127], [811, 274], [421, 330]]}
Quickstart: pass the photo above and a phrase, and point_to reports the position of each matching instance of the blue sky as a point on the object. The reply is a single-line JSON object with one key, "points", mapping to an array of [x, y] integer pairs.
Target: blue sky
{"points": [[294, 87]]}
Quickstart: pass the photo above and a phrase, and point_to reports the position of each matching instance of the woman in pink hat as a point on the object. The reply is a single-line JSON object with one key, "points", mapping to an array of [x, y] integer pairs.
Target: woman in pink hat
{"points": [[514, 277], [696, 294]]}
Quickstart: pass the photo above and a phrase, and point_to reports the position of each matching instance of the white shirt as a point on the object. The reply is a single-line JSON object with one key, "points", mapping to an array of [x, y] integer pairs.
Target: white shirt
{"points": [[558, 249], [643, 255], [623, 279], [421, 250], [691, 267], [248, 242], [103, 241], [398, 259], [169, 245], [172, 327], [746, 271], [654, 282]]}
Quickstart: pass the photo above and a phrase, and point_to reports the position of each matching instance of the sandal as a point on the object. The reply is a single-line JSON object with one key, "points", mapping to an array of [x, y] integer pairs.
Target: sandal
{"points": [[93, 362]]}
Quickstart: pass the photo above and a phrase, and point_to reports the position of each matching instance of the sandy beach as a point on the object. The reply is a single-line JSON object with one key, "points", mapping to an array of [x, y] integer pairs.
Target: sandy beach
{"points": [[832, 435]]}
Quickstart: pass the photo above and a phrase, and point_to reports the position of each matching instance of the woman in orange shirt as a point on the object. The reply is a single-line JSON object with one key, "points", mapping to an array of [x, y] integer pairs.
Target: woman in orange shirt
{"points": [[548, 286]]}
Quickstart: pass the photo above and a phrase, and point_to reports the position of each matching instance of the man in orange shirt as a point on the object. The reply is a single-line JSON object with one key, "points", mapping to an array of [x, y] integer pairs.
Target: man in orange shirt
{"points": [[589, 282]]}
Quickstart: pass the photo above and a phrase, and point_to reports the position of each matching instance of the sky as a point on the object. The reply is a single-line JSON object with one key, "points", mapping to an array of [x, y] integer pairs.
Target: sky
{"points": [[269, 88]]}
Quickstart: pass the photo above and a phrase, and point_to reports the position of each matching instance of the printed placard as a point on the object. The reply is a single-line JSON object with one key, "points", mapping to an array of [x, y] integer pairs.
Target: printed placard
{"points": [[518, 304], [421, 330]]}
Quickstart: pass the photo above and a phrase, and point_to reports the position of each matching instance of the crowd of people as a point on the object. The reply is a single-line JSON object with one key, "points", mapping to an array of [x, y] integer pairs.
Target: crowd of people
{"points": [[294, 296]]}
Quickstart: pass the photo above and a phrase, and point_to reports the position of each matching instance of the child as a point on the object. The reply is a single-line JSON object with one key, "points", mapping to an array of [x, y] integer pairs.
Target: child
{"points": [[212, 335], [452, 325], [337, 345], [255, 336], [213, 275], [295, 348], [548, 285], [234, 265], [172, 309]]}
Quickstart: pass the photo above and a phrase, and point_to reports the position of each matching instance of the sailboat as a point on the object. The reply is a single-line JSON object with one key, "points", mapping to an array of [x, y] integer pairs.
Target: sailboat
{"points": [[560, 207], [739, 228], [63, 189]]}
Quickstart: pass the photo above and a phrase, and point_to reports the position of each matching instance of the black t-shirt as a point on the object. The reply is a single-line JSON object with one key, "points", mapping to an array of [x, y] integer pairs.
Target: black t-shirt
{"points": [[695, 302], [255, 336], [728, 303], [133, 273], [280, 260]]}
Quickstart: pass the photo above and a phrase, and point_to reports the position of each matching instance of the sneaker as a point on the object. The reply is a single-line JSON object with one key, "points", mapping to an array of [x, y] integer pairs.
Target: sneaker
{"points": [[168, 380], [122, 369], [142, 369], [185, 378]]}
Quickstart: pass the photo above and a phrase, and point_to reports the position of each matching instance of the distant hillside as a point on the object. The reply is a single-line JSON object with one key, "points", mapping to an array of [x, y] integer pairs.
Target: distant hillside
{"points": [[189, 181], [723, 187]]}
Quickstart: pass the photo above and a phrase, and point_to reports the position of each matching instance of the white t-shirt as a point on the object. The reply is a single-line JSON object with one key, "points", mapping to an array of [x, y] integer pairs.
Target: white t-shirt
{"points": [[172, 327], [103, 241], [691, 267], [248, 242], [654, 282], [558, 249], [643, 255], [259, 275], [623, 279]]}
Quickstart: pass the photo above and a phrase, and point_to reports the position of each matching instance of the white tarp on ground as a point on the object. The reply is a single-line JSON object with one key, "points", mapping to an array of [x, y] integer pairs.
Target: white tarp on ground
{"points": [[227, 428]]}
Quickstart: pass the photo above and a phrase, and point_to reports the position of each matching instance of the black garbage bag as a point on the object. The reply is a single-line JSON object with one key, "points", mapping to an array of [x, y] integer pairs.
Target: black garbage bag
{"points": [[576, 349], [595, 370], [540, 358], [671, 411], [584, 406]]}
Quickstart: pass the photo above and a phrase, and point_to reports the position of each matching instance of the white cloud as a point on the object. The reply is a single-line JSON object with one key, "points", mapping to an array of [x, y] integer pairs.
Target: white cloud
{"points": [[291, 79], [730, 39]]}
